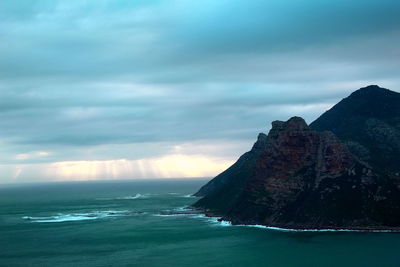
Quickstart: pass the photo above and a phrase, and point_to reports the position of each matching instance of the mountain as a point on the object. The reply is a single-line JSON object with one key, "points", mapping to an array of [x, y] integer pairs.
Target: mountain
{"points": [[228, 186], [368, 122], [303, 177]]}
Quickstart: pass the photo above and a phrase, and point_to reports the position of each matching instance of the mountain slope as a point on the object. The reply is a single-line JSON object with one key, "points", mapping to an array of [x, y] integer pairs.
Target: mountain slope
{"points": [[228, 185], [368, 122], [300, 178]]}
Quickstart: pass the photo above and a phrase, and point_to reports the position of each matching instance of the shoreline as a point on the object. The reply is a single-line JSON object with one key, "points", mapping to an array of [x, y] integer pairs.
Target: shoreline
{"points": [[302, 228]]}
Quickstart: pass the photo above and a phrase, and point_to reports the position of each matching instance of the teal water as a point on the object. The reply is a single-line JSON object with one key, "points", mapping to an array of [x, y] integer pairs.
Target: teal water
{"points": [[119, 224]]}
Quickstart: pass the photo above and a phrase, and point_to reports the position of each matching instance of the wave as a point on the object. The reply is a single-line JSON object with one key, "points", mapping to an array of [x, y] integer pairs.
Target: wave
{"points": [[217, 221], [77, 216], [189, 196], [137, 196], [220, 222], [193, 214], [180, 211], [318, 230], [133, 197], [180, 195], [143, 196]]}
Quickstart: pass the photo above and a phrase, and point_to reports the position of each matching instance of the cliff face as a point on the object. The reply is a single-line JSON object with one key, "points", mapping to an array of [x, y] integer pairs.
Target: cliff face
{"points": [[300, 178], [368, 123]]}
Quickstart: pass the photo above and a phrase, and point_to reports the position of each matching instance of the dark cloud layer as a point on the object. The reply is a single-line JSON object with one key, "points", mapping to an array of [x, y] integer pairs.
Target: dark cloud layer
{"points": [[78, 78]]}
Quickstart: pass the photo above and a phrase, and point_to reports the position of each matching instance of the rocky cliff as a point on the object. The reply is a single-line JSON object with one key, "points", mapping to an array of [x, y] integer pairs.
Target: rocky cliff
{"points": [[297, 177]]}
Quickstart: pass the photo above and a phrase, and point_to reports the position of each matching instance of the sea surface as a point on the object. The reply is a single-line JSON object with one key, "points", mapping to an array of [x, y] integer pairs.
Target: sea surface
{"points": [[144, 223]]}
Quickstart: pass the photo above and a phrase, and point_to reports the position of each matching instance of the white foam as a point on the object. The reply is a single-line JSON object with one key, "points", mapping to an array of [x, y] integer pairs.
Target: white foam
{"points": [[182, 209], [137, 196], [193, 214], [317, 230], [214, 220], [273, 228], [189, 196], [132, 197], [170, 215], [76, 216], [225, 223], [217, 221]]}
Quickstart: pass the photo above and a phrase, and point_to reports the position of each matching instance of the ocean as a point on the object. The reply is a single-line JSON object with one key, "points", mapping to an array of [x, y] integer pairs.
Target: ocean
{"points": [[141, 223]]}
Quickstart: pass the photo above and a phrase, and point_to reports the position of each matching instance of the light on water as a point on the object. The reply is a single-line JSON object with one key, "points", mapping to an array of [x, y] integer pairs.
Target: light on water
{"points": [[148, 223]]}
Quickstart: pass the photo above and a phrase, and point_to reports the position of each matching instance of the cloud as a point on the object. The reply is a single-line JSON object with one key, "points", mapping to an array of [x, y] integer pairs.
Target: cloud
{"points": [[90, 81], [168, 166], [30, 155], [181, 40]]}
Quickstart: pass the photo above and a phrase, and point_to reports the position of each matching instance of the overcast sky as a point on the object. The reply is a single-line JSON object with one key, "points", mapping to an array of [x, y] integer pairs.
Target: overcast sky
{"points": [[113, 89]]}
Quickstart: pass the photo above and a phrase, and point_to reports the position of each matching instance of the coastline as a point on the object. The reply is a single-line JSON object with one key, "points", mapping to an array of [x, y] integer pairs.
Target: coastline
{"points": [[300, 228]]}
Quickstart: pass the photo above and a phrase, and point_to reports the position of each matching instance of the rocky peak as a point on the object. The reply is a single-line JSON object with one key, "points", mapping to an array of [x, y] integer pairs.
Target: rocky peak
{"points": [[261, 142], [294, 124], [371, 88], [370, 91]]}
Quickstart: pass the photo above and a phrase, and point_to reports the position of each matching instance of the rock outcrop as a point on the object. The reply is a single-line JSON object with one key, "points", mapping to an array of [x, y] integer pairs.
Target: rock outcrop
{"points": [[300, 178]]}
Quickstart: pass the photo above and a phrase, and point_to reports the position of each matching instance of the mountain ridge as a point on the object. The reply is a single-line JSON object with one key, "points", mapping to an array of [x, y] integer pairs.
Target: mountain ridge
{"points": [[305, 178]]}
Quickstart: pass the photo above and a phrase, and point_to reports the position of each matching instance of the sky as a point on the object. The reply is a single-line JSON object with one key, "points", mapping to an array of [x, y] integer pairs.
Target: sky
{"points": [[118, 89]]}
